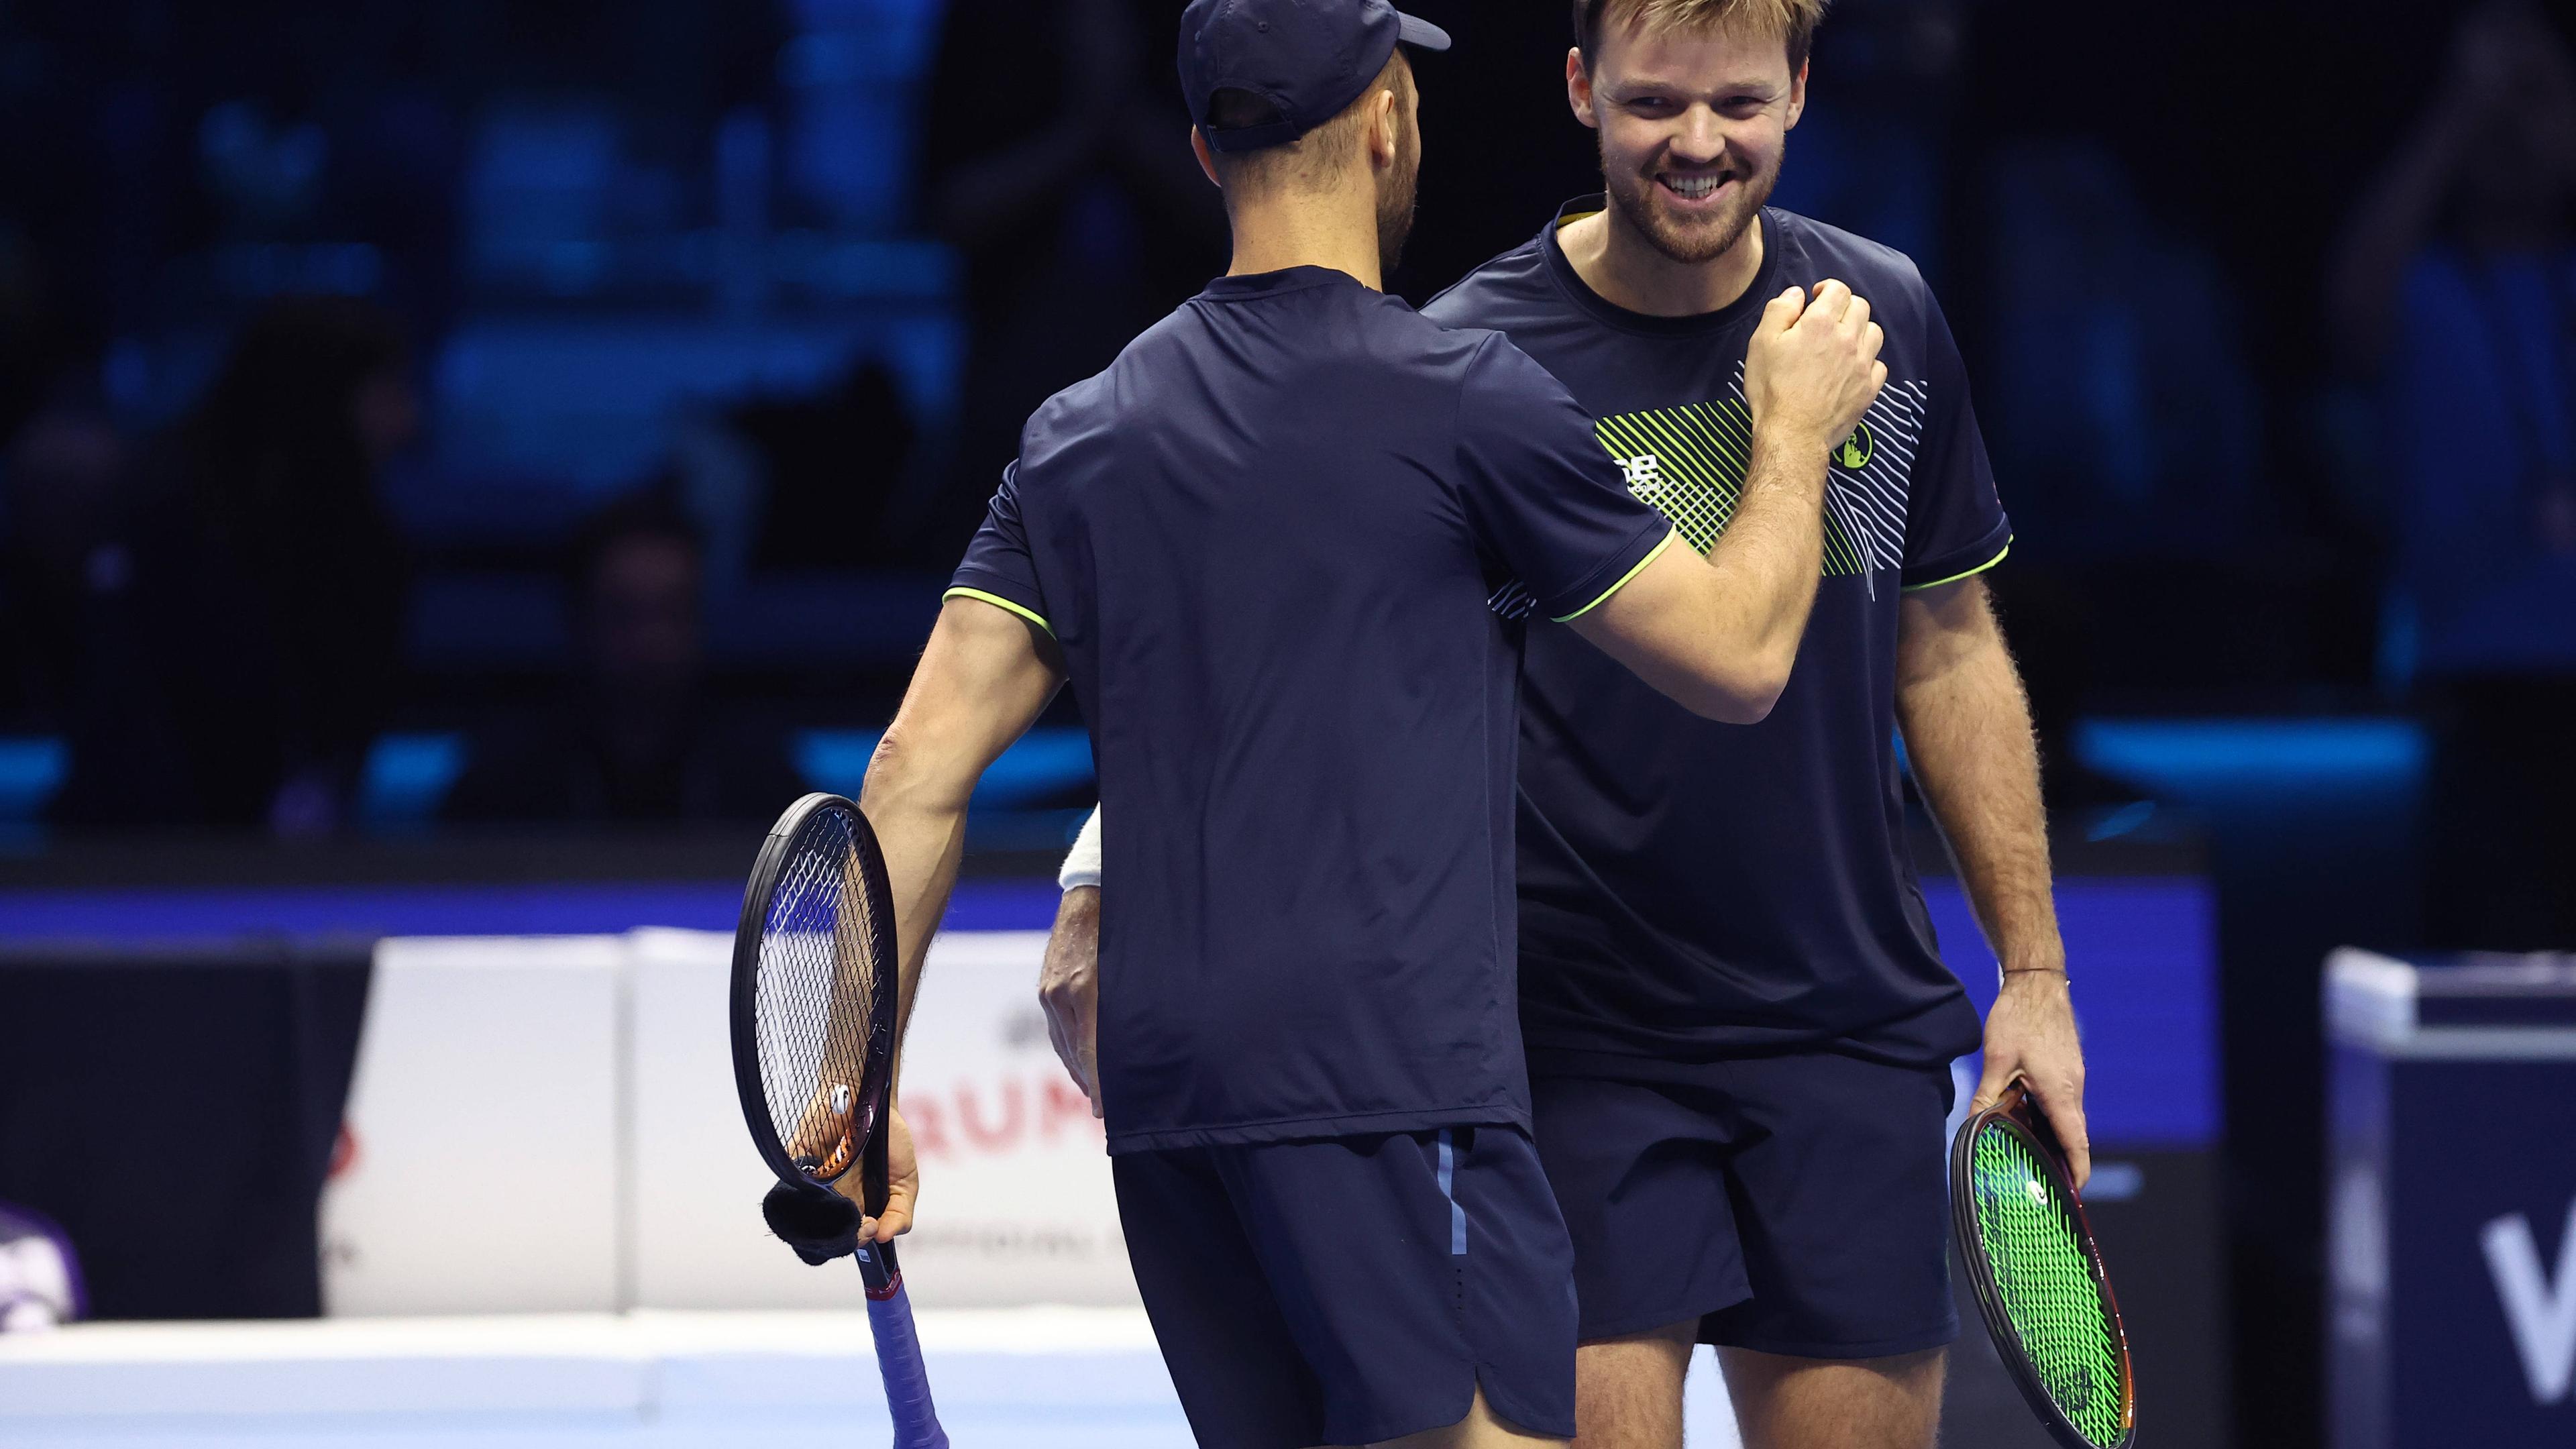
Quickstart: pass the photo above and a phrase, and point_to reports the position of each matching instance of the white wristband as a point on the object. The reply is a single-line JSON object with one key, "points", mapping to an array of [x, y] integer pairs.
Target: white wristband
{"points": [[1082, 863]]}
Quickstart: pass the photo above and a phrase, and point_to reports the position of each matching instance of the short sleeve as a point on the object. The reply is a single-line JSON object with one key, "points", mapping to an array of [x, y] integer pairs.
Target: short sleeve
{"points": [[1954, 522], [997, 568], [1542, 494]]}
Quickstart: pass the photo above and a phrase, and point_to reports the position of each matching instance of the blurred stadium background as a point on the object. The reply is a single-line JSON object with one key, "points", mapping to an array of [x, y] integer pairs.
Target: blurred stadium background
{"points": [[465, 466]]}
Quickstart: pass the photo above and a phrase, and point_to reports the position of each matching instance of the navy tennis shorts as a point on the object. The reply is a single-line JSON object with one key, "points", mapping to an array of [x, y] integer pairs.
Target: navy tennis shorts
{"points": [[1354, 1289], [1793, 1204]]}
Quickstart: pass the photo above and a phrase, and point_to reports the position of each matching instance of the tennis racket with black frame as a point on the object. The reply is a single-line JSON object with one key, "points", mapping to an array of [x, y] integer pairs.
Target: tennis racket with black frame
{"points": [[815, 977], [2038, 1275]]}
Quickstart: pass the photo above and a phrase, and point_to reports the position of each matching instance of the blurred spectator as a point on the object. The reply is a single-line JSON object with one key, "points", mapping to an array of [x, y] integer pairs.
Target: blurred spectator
{"points": [[635, 738], [830, 465], [2125, 427], [62, 472], [2456, 286], [1081, 212], [2124, 414], [244, 639]]}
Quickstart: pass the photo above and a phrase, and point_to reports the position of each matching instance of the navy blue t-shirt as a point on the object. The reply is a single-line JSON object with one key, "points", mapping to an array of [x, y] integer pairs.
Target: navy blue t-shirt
{"points": [[1266, 539], [1691, 890]]}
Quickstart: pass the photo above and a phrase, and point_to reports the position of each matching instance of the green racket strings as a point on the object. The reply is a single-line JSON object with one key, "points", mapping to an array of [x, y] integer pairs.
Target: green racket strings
{"points": [[2046, 1285]]}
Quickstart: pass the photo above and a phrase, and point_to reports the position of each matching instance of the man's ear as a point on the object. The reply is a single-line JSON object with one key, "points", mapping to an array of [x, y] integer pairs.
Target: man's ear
{"points": [[1578, 88], [1385, 130], [1207, 158], [1797, 97]]}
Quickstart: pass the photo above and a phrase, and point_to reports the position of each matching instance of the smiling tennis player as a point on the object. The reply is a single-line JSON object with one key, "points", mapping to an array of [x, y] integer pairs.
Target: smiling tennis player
{"points": [[1739, 1028], [1261, 547]]}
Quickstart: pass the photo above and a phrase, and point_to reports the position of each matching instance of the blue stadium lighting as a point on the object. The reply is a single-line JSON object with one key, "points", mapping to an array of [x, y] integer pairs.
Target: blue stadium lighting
{"points": [[1048, 761], [32, 771], [2195, 757], [407, 776]]}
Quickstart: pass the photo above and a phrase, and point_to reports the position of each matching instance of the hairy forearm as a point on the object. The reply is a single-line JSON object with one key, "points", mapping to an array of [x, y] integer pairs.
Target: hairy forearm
{"points": [[1772, 553], [1968, 733], [983, 677], [1719, 636], [921, 827], [1069, 990], [1077, 925]]}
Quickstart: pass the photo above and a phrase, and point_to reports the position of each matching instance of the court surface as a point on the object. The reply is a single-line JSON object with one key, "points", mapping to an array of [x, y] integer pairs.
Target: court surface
{"points": [[1029, 1378]]}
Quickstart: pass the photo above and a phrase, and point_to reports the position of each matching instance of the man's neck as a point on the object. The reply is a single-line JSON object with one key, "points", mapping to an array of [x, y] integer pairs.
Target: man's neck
{"points": [[1274, 233], [1626, 270]]}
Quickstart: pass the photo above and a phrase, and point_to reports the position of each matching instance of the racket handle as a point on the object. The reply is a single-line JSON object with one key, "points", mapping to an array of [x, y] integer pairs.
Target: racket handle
{"points": [[907, 1383]]}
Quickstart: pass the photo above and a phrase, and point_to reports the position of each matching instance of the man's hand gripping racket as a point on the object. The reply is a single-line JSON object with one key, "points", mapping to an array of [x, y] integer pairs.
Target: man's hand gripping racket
{"points": [[815, 976], [2038, 1275]]}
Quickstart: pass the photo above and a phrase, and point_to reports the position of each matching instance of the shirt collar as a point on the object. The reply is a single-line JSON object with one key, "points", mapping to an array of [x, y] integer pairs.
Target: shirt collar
{"points": [[1766, 282]]}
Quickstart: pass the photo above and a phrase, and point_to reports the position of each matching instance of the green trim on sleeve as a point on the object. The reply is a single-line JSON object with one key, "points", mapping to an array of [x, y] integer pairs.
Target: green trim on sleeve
{"points": [[1964, 574], [998, 602], [1653, 554]]}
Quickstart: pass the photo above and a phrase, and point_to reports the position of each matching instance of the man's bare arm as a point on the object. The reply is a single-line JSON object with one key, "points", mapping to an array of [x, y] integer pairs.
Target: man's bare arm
{"points": [[1069, 989], [982, 681], [1718, 635], [1968, 733]]}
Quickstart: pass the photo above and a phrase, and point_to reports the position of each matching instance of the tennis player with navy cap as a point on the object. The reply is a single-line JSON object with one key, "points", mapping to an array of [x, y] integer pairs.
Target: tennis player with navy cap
{"points": [[1263, 548]]}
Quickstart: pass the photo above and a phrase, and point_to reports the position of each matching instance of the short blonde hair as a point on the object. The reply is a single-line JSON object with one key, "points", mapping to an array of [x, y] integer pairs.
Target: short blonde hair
{"points": [[1794, 21]]}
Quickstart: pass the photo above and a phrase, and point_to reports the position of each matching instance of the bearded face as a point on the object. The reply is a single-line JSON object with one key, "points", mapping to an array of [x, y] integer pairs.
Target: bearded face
{"points": [[1692, 211], [1693, 127]]}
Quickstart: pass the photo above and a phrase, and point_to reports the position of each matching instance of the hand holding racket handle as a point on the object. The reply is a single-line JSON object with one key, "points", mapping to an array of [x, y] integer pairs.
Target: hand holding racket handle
{"points": [[2037, 1274], [2019, 1104], [813, 1011], [907, 1383]]}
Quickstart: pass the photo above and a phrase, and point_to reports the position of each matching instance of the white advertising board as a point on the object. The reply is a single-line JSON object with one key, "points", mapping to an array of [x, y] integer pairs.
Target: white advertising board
{"points": [[479, 1166], [552, 1124]]}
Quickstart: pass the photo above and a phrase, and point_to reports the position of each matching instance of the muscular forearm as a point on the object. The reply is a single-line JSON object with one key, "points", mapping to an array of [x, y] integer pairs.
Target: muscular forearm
{"points": [[921, 827], [1719, 637], [1968, 733], [1772, 553], [984, 676], [1967, 729], [1069, 988]]}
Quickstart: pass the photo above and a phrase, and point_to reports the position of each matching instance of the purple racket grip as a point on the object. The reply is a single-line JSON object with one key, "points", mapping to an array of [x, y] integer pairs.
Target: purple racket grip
{"points": [[907, 1383]]}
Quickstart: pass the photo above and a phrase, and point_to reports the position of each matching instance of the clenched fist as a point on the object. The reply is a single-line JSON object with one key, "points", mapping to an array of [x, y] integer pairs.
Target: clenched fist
{"points": [[1813, 366]]}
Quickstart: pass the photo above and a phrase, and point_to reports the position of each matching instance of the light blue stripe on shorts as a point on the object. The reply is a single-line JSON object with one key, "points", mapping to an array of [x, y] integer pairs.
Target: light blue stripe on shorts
{"points": [[1448, 1179]]}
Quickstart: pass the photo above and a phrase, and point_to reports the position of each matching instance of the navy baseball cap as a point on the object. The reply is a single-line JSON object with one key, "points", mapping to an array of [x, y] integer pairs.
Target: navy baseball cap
{"points": [[1310, 58]]}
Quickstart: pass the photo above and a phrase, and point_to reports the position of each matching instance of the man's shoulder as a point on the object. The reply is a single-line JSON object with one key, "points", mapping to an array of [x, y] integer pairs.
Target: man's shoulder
{"points": [[1496, 293], [1088, 410], [1380, 346], [1098, 406], [1874, 269]]}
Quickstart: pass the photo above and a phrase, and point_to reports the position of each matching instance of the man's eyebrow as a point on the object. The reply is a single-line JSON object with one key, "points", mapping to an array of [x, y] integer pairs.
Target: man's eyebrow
{"points": [[1644, 86]]}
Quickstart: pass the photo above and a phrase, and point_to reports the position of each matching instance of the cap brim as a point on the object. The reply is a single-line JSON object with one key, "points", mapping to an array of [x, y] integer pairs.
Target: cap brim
{"points": [[1420, 34]]}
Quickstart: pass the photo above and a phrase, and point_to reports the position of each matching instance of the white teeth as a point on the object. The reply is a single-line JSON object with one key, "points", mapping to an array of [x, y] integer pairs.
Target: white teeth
{"points": [[1694, 187]]}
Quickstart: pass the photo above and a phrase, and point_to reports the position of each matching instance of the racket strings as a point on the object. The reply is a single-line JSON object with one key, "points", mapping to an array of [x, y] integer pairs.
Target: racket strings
{"points": [[2044, 1281], [814, 998]]}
